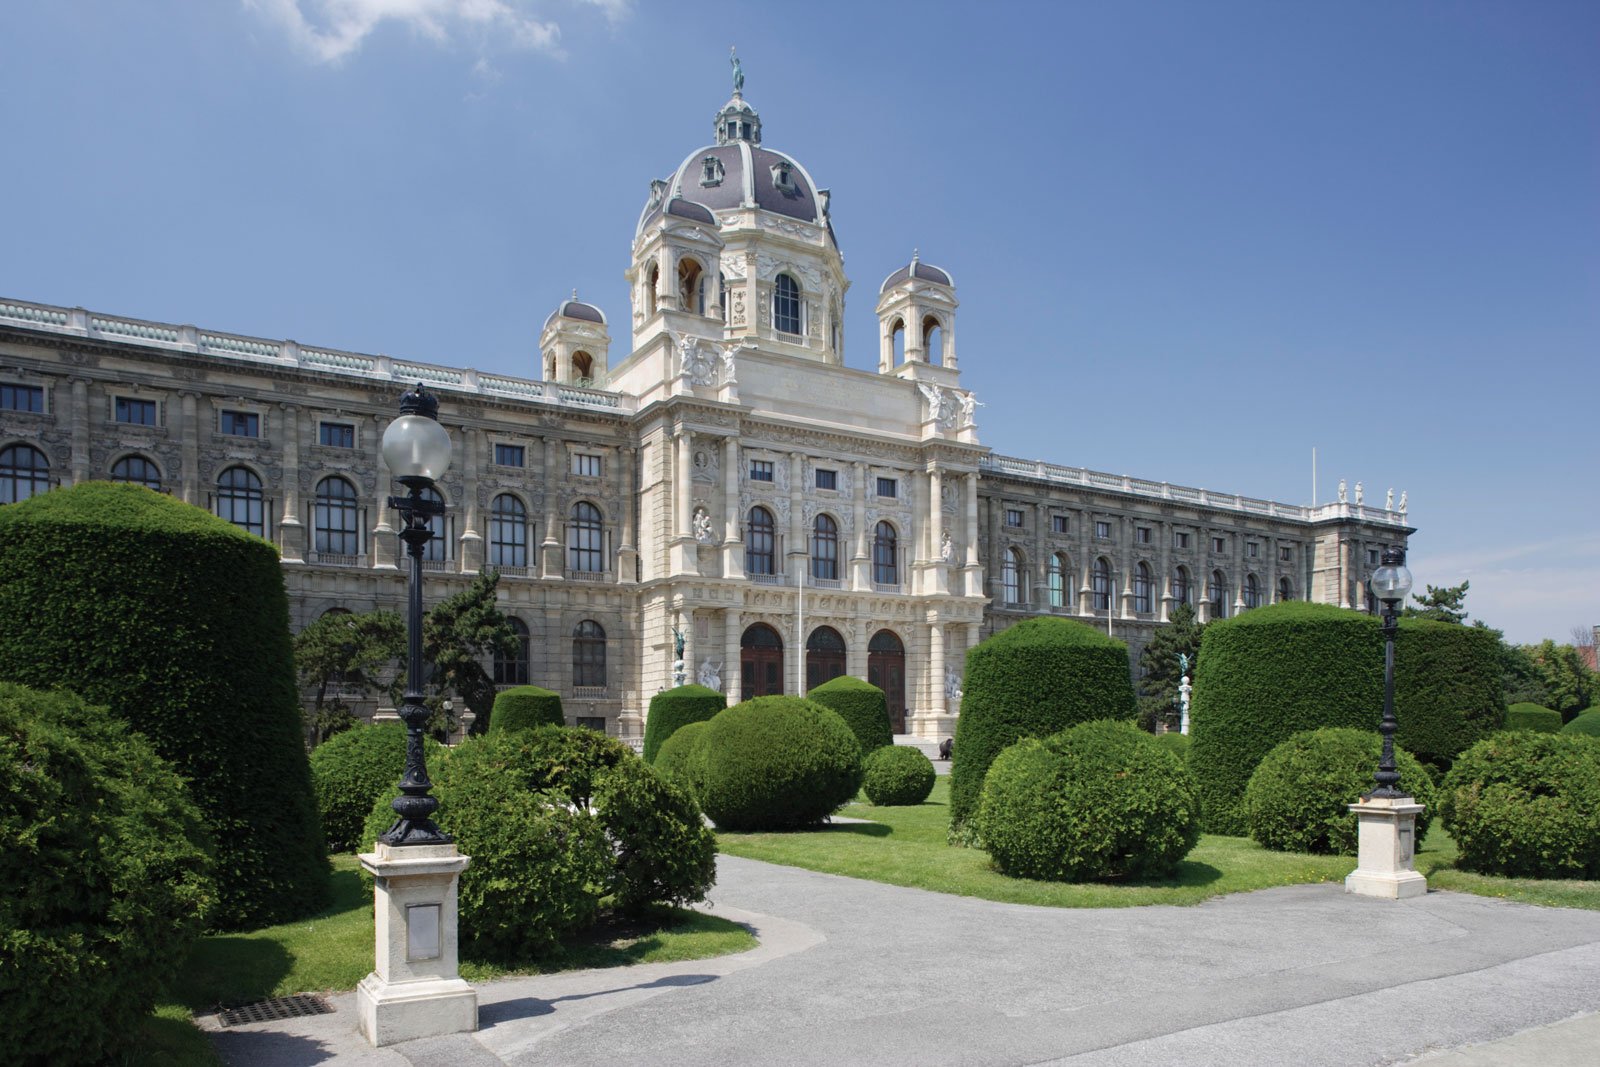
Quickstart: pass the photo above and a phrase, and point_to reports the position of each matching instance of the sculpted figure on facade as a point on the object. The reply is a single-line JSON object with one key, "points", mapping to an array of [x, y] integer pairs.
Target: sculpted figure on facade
{"points": [[947, 548], [711, 674], [941, 407], [696, 367], [702, 526], [1360, 493], [1402, 501], [1344, 496], [969, 407], [1388, 500]]}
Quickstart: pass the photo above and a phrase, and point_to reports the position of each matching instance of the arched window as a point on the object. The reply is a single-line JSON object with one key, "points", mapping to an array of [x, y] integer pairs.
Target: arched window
{"points": [[1217, 594], [1252, 591], [786, 304], [1180, 585], [508, 532], [24, 472], [550, 368], [1285, 589], [824, 656], [885, 555], [582, 367], [1011, 576], [511, 666], [438, 547], [825, 549], [588, 654], [932, 340], [239, 500], [722, 296], [760, 542], [760, 662], [691, 291], [585, 552], [1058, 581], [136, 470], [338, 518], [1144, 584], [897, 340], [652, 286], [1100, 584]]}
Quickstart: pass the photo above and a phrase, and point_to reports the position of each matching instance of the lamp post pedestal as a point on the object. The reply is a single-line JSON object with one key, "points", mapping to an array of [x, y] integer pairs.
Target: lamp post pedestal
{"points": [[1387, 836], [415, 989]]}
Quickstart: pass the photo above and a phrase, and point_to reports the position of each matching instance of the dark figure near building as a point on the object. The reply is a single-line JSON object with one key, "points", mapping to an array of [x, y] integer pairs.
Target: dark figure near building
{"points": [[947, 748]]}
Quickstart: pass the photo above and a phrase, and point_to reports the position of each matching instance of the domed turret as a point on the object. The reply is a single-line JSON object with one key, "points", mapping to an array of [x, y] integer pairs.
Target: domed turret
{"points": [[917, 317], [574, 344]]}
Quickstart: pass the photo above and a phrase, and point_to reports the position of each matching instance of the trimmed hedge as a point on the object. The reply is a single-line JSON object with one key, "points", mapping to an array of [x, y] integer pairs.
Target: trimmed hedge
{"points": [[525, 707], [107, 880], [1175, 743], [178, 622], [776, 763], [1526, 805], [672, 709], [682, 758], [861, 705], [1535, 717], [1447, 691], [1298, 798], [1586, 723], [1099, 801], [897, 776], [351, 770], [1033, 679]]}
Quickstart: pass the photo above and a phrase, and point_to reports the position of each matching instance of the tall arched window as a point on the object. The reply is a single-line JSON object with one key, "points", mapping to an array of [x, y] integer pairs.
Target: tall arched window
{"points": [[691, 290], [1100, 584], [338, 518], [24, 472], [897, 340], [652, 287], [508, 532], [825, 656], [885, 555], [438, 547], [136, 470], [932, 340], [588, 654], [1058, 581], [511, 666], [585, 550], [760, 543], [582, 368], [1252, 591], [722, 296], [1285, 589], [239, 500], [1180, 585], [1011, 576], [786, 304], [1217, 594], [825, 549], [1144, 599]]}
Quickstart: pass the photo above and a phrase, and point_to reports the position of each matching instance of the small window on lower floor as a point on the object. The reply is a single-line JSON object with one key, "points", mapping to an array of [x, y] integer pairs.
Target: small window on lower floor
{"points": [[510, 455], [761, 470], [827, 479], [1102, 530], [888, 487], [593, 722], [1013, 517], [585, 466], [1058, 523], [337, 435]]}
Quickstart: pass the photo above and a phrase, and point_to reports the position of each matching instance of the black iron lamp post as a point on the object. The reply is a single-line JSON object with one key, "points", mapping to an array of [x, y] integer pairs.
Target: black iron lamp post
{"points": [[1390, 584], [417, 450]]}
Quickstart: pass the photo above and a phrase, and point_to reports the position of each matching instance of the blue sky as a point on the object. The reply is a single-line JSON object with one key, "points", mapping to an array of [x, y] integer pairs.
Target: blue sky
{"points": [[1192, 241]]}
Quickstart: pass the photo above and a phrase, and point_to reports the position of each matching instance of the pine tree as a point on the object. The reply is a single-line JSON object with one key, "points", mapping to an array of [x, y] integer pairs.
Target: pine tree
{"points": [[1160, 667]]}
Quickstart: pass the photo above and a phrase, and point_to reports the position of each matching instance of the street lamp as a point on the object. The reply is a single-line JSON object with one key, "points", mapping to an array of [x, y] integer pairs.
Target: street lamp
{"points": [[417, 450], [1390, 584]]}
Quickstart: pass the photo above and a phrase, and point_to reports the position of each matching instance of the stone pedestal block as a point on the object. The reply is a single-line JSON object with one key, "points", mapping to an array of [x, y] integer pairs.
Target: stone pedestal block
{"points": [[1387, 848], [415, 989]]}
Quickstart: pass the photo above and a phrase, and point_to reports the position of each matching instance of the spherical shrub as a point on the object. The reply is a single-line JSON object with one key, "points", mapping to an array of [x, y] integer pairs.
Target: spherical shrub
{"points": [[525, 707], [1298, 798], [1586, 723], [1176, 743], [1526, 805], [682, 757], [107, 880], [777, 762], [664, 852], [897, 776], [352, 769], [861, 705], [673, 709], [1101, 800], [1535, 717]]}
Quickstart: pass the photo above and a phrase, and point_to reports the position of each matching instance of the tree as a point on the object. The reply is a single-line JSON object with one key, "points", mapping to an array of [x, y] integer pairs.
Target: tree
{"points": [[1441, 603], [343, 655], [1159, 664], [1568, 681], [458, 635], [1520, 677]]}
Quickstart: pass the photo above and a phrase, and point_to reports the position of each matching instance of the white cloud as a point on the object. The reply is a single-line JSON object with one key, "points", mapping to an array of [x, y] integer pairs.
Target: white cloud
{"points": [[329, 30], [1530, 591]]}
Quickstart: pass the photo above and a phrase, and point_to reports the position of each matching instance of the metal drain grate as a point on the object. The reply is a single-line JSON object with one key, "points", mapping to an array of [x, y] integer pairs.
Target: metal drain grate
{"points": [[266, 1011]]}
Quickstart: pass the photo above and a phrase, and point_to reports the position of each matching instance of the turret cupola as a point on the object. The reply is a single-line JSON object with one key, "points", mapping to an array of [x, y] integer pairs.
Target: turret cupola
{"points": [[574, 344], [916, 319], [737, 121]]}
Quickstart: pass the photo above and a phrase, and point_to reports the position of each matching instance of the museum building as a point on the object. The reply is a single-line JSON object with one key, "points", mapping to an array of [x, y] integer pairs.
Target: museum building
{"points": [[726, 476]]}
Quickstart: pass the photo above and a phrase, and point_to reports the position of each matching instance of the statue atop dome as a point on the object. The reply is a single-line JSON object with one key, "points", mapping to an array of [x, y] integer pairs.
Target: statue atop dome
{"points": [[738, 71]]}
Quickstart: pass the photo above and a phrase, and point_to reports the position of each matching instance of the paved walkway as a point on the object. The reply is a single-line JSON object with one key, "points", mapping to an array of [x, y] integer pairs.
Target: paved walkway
{"points": [[853, 972]]}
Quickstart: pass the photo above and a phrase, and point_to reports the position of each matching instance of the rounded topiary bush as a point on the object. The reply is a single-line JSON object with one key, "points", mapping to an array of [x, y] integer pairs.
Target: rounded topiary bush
{"points": [[1586, 723], [1102, 800], [682, 757], [1299, 796], [1526, 805], [178, 622], [1535, 717], [525, 707], [777, 762], [107, 880], [673, 709], [351, 770], [1032, 680], [897, 776], [861, 705], [1176, 743], [1447, 691]]}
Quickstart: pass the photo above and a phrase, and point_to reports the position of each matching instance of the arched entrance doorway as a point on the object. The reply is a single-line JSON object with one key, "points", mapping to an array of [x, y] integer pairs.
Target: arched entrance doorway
{"points": [[760, 662], [824, 656], [886, 669]]}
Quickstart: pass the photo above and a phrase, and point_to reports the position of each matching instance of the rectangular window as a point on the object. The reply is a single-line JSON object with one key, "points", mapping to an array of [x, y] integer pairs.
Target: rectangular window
{"points": [[1013, 517], [592, 722], [1180, 540], [1219, 544], [239, 423], [1286, 554], [338, 435], [510, 456], [1058, 523], [1102, 530], [1142, 535], [1372, 557], [1251, 549], [889, 487], [827, 479], [136, 412], [585, 466], [22, 398], [761, 470]]}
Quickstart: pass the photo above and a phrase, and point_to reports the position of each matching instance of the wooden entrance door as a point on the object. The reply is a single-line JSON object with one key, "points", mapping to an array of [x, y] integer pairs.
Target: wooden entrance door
{"points": [[886, 669], [760, 662], [824, 656]]}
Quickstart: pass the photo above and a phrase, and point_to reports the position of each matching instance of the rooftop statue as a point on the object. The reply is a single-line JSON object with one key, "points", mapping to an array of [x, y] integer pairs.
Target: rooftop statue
{"points": [[738, 71]]}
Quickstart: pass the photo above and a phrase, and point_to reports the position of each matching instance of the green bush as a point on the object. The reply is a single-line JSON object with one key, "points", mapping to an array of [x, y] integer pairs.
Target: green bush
{"points": [[897, 775], [1032, 680], [1299, 796], [1526, 805], [1175, 743], [672, 709], [1586, 723], [682, 757], [1447, 691], [1535, 717], [107, 879], [525, 707], [351, 770], [664, 852], [1098, 801], [861, 705], [776, 763], [178, 622]]}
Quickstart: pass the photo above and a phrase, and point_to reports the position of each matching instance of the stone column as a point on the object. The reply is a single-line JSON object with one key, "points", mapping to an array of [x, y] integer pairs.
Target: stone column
{"points": [[732, 546], [627, 552], [1164, 575], [684, 555], [1237, 578], [1269, 545], [291, 532], [933, 720], [471, 540], [1040, 567], [799, 547], [385, 544], [941, 569], [973, 567], [191, 453], [855, 655], [732, 681], [1125, 565], [550, 562], [80, 430], [861, 558]]}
